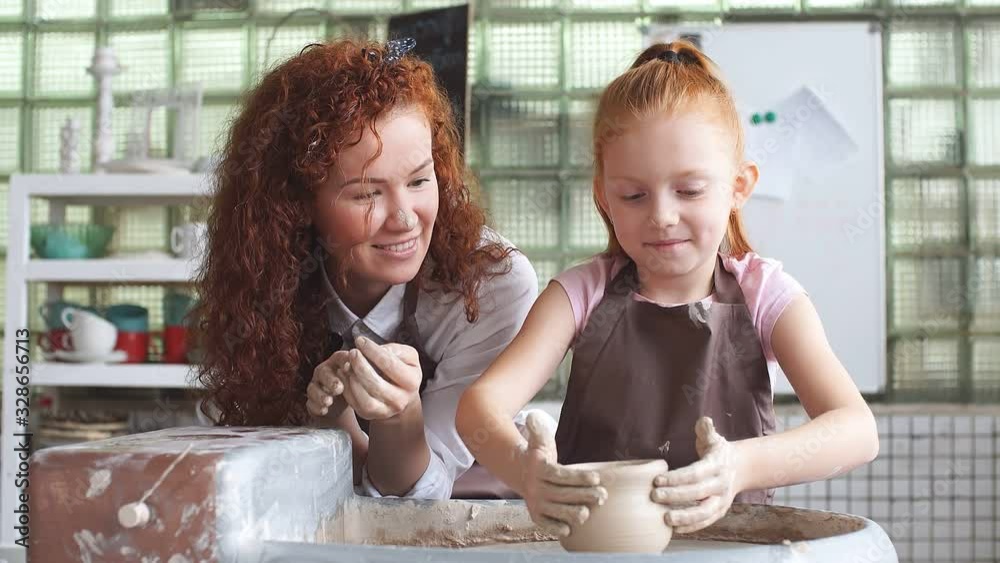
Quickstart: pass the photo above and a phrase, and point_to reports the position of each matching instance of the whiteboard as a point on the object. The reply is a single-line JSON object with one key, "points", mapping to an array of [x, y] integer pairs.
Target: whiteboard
{"points": [[827, 225]]}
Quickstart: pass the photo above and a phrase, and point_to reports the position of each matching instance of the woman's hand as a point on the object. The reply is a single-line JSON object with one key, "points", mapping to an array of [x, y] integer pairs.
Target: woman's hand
{"points": [[702, 492], [374, 395], [556, 496], [324, 390]]}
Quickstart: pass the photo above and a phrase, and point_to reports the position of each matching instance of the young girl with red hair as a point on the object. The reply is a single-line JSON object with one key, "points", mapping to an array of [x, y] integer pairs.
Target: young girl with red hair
{"points": [[677, 330]]}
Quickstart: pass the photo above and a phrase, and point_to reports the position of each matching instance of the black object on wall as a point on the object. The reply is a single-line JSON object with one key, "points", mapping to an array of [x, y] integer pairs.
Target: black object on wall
{"points": [[442, 37]]}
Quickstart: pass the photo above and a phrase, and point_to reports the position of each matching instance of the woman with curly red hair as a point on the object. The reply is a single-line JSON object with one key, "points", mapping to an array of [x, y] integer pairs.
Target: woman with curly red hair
{"points": [[349, 273]]}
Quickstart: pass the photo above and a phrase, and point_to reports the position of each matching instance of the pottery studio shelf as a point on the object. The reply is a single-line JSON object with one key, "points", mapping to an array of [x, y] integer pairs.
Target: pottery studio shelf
{"points": [[61, 191], [110, 270], [114, 189], [158, 376]]}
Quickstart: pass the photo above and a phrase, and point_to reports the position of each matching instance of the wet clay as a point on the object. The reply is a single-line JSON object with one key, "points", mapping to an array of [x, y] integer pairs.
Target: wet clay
{"points": [[762, 524], [431, 523], [676, 546], [629, 521], [463, 524]]}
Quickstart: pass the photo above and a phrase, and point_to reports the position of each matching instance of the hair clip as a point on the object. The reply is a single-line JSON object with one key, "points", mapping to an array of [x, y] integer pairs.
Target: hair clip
{"points": [[668, 56], [396, 48], [671, 56]]}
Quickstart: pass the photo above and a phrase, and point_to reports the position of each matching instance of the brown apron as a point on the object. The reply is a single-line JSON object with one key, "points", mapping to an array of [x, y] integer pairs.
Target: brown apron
{"points": [[407, 334], [643, 374]]}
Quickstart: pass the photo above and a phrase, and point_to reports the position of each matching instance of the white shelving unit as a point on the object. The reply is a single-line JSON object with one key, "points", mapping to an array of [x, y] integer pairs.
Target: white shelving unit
{"points": [[108, 270], [61, 374], [79, 189]]}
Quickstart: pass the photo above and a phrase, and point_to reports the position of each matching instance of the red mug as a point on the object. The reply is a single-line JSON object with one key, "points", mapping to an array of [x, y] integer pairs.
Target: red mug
{"points": [[135, 345], [175, 344], [54, 339]]}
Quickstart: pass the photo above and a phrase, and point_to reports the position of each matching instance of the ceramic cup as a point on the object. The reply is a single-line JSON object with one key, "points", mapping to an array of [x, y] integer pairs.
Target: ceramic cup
{"points": [[127, 317], [629, 521], [175, 348], [135, 345], [176, 307], [89, 333], [188, 240], [132, 322], [51, 312], [53, 339]]}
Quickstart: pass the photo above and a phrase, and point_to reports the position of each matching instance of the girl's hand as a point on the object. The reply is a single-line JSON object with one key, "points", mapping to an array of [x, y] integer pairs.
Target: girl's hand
{"points": [[703, 490], [556, 495], [375, 395]]}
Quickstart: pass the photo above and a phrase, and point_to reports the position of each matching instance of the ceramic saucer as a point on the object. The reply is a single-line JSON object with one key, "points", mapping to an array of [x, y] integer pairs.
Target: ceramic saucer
{"points": [[114, 357]]}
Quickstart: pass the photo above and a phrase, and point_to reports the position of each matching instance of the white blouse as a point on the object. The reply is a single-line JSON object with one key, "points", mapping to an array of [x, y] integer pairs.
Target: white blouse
{"points": [[461, 349]]}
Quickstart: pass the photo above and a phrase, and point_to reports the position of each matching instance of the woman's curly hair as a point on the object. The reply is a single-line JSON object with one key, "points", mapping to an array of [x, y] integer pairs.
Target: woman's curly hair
{"points": [[261, 324]]}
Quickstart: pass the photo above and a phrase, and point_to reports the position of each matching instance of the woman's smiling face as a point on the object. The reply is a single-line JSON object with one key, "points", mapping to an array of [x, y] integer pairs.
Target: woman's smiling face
{"points": [[379, 221]]}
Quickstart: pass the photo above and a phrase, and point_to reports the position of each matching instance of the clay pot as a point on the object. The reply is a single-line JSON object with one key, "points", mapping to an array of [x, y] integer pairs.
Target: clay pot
{"points": [[628, 521]]}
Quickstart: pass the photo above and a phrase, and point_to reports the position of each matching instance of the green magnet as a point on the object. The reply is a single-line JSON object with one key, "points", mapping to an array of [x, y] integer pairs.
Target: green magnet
{"points": [[770, 117], [755, 119]]}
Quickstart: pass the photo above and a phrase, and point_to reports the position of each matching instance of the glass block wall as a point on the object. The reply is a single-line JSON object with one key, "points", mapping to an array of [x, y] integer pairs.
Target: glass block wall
{"points": [[536, 68], [943, 158]]}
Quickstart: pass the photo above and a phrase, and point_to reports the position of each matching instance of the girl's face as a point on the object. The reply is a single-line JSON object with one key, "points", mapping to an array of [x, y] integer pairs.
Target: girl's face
{"points": [[669, 186], [381, 223]]}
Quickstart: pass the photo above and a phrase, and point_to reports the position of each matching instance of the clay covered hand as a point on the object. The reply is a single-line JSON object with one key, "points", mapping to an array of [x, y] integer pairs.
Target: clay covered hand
{"points": [[702, 492], [324, 395], [556, 495], [374, 395]]}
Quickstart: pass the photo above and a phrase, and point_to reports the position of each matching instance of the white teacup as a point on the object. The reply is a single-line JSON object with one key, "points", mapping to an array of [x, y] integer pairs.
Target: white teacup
{"points": [[89, 334], [188, 240]]}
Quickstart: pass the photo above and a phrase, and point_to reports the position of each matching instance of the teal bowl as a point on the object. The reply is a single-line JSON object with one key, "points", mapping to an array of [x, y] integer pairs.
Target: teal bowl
{"points": [[71, 240], [128, 317]]}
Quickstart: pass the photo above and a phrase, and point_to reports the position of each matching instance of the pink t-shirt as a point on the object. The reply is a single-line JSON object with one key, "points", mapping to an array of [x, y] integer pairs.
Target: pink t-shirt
{"points": [[766, 287]]}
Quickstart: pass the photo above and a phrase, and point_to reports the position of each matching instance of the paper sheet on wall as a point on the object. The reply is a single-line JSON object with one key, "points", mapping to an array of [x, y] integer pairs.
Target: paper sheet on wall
{"points": [[824, 141], [804, 141], [774, 149]]}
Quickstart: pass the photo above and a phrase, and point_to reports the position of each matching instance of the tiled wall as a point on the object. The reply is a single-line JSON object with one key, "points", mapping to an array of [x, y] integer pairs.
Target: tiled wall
{"points": [[933, 488]]}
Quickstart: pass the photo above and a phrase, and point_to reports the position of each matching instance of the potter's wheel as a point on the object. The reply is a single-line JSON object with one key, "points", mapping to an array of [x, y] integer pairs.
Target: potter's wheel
{"points": [[502, 532], [317, 518]]}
